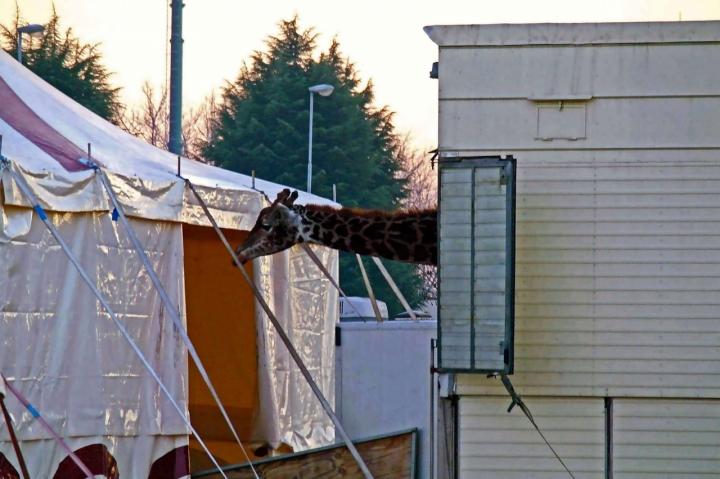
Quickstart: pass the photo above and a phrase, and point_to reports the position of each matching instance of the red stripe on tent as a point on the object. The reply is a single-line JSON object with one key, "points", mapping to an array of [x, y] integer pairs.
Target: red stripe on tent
{"points": [[173, 465], [7, 471], [96, 457], [22, 119]]}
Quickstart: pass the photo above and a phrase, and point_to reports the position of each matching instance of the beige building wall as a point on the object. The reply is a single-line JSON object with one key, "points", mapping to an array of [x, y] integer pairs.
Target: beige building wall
{"points": [[616, 132]]}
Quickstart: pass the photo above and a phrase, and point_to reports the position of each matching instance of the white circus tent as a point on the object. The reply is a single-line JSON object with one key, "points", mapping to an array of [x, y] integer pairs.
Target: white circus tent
{"points": [[58, 344]]}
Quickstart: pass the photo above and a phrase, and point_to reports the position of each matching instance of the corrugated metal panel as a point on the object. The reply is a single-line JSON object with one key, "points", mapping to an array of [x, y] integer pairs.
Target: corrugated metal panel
{"points": [[669, 439], [498, 445], [617, 281]]}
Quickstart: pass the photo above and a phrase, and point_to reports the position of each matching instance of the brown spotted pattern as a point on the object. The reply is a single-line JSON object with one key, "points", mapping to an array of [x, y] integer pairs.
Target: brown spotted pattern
{"points": [[408, 236]]}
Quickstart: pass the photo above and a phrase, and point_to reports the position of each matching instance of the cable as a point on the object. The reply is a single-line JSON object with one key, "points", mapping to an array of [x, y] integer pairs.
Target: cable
{"points": [[517, 401]]}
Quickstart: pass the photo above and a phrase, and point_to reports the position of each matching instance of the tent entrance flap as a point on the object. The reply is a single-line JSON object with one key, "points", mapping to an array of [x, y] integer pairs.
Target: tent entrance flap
{"points": [[224, 337]]}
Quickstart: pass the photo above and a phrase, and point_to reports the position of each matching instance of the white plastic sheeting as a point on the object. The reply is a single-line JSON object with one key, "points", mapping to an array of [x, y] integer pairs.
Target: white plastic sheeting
{"points": [[61, 349], [306, 305], [162, 452]]}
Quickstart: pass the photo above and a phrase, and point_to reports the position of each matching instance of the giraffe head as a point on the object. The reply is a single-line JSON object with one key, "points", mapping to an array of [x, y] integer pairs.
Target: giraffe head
{"points": [[276, 229]]}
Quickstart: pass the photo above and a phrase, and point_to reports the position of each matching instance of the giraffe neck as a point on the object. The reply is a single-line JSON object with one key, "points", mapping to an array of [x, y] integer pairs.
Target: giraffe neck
{"points": [[410, 237]]}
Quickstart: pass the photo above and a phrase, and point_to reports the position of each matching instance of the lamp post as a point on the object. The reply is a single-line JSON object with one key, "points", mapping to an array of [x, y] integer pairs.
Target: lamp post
{"points": [[33, 30], [323, 90]]}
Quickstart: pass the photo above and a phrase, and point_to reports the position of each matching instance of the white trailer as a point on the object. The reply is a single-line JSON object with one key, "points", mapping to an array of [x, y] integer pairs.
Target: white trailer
{"points": [[383, 381], [615, 129]]}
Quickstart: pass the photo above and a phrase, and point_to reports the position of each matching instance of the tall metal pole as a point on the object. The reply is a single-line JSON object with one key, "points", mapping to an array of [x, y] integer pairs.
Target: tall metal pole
{"points": [[176, 48], [309, 179], [20, 48]]}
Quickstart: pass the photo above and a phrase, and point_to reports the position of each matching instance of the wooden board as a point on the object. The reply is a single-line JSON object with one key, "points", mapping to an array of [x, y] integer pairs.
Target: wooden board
{"points": [[387, 457]]}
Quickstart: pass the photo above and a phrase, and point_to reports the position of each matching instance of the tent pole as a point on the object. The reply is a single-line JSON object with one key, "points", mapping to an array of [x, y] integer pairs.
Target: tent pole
{"points": [[13, 438], [71, 256], [285, 339], [373, 301], [394, 287]]}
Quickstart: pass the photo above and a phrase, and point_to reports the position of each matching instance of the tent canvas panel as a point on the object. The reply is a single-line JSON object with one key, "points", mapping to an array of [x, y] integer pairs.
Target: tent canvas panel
{"points": [[60, 348]]}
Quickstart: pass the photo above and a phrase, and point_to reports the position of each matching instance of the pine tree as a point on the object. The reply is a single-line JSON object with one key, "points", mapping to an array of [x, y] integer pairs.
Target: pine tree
{"points": [[262, 125], [72, 67]]}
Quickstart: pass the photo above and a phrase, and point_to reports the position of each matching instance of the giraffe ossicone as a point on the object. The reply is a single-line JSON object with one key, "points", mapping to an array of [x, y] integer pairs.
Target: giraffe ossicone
{"points": [[407, 236]]}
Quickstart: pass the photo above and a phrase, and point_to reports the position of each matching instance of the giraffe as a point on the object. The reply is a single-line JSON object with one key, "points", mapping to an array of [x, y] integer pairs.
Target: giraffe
{"points": [[407, 236]]}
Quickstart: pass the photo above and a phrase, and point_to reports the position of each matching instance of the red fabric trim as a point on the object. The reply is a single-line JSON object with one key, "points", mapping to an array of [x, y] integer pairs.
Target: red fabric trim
{"points": [[7, 471], [96, 457], [173, 465], [22, 119]]}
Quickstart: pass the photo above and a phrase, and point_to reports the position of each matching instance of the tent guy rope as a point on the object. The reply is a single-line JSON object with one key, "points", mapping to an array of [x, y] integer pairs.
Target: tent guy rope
{"points": [[327, 274], [169, 306], [283, 336], [36, 414], [71, 256]]}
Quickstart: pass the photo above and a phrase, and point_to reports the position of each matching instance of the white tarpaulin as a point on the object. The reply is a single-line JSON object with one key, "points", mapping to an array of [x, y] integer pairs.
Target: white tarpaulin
{"points": [[57, 344], [307, 306], [62, 351]]}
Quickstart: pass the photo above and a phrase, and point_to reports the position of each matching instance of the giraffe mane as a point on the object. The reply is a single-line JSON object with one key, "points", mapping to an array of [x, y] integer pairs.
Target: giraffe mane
{"points": [[357, 212]]}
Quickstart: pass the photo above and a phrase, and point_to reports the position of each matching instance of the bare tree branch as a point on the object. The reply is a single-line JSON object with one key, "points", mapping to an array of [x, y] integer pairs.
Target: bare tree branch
{"points": [[422, 193], [151, 121]]}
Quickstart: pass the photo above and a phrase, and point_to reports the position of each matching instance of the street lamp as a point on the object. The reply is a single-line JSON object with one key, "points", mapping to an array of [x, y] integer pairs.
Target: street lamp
{"points": [[323, 90], [33, 30]]}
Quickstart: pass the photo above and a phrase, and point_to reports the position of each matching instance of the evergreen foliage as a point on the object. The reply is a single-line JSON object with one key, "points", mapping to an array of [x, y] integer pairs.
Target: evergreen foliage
{"points": [[262, 125], [64, 62]]}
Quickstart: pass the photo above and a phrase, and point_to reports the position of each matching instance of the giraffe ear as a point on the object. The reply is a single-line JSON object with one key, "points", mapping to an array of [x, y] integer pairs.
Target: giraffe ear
{"points": [[281, 197], [289, 202]]}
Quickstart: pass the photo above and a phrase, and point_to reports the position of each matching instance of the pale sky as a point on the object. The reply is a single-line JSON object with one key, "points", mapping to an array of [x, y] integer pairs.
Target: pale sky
{"points": [[384, 38]]}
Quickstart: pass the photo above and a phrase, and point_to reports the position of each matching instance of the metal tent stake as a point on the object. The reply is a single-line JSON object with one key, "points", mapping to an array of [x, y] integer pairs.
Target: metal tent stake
{"points": [[285, 339]]}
